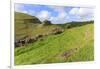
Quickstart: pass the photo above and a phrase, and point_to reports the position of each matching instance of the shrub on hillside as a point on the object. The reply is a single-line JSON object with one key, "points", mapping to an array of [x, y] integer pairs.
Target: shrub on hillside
{"points": [[57, 30], [46, 22]]}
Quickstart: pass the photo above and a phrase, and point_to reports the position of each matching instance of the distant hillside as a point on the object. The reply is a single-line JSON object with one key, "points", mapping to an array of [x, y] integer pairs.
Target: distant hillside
{"points": [[74, 24]]}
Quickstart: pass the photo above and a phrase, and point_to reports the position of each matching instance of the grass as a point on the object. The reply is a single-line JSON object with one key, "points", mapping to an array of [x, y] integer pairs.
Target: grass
{"points": [[51, 48], [29, 28]]}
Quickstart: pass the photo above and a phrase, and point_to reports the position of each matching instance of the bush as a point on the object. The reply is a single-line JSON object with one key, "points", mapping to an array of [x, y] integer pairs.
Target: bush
{"points": [[46, 22], [68, 26]]}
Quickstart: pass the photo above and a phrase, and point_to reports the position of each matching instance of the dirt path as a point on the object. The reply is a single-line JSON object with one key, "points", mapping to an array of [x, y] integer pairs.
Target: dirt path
{"points": [[87, 34]]}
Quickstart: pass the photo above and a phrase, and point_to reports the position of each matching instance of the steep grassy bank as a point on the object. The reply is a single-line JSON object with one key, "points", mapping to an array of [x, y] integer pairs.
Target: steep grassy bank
{"points": [[74, 44]]}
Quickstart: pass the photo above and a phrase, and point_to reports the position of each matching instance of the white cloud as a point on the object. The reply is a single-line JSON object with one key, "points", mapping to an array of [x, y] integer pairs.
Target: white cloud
{"points": [[74, 11], [82, 11], [62, 15], [61, 18], [16, 7], [32, 12], [86, 10], [84, 14], [43, 15], [19, 8]]}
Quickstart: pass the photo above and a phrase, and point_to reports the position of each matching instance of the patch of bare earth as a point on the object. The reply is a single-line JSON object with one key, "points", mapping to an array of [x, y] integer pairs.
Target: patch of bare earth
{"points": [[67, 53]]}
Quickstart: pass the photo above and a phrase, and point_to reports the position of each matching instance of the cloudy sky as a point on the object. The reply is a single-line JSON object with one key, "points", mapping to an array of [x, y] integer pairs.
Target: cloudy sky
{"points": [[57, 14]]}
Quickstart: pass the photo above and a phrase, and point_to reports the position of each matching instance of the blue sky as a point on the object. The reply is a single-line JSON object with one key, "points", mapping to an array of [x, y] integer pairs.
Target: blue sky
{"points": [[57, 14]]}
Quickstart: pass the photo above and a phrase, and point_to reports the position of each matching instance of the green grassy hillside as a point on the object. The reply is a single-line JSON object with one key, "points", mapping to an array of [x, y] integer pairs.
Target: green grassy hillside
{"points": [[74, 44], [24, 24], [27, 25]]}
